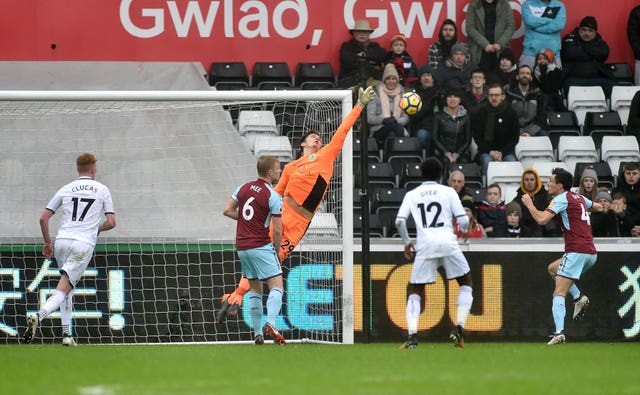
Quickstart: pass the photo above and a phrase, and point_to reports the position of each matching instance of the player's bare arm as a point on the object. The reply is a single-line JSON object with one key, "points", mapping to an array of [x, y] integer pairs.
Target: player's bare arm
{"points": [[109, 224], [231, 209], [47, 249], [541, 217], [276, 224], [597, 207]]}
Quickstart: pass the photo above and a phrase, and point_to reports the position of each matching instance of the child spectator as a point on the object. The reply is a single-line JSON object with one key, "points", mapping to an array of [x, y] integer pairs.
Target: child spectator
{"points": [[398, 56], [548, 76], [588, 184], [513, 227], [475, 229], [491, 211]]}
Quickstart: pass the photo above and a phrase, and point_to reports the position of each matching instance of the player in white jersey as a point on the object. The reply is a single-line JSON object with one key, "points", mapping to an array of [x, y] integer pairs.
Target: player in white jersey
{"points": [[83, 203], [434, 207]]}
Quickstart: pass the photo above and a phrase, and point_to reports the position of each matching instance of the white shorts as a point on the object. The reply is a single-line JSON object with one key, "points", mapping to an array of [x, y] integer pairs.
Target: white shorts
{"points": [[73, 257], [424, 270]]}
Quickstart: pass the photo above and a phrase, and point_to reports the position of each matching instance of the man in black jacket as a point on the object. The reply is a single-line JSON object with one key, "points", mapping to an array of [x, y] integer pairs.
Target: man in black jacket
{"points": [[360, 58], [583, 55], [527, 101]]}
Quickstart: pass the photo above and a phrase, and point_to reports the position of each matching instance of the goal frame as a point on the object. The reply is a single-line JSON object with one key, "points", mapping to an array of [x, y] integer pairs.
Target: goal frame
{"points": [[344, 96]]}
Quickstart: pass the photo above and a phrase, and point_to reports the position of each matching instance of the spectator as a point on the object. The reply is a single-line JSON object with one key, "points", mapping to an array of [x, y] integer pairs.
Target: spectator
{"points": [[629, 187], [361, 60], [543, 21], [496, 130], [583, 55], [513, 227], [548, 76], [490, 212], [452, 131], [633, 34], [384, 116], [400, 58], [440, 50], [457, 181], [476, 94], [526, 100], [490, 26], [588, 184], [421, 124], [531, 184], [457, 70], [476, 230], [633, 123], [507, 69], [613, 221]]}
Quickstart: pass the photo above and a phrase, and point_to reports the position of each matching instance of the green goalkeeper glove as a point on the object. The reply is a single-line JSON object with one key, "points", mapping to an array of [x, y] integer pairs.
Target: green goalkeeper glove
{"points": [[365, 96]]}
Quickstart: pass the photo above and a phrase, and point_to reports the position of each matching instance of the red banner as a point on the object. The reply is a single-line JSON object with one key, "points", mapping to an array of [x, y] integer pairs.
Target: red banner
{"points": [[253, 30]]}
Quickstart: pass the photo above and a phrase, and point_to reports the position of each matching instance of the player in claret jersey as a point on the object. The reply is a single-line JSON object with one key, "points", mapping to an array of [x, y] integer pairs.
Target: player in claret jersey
{"points": [[302, 186], [580, 254]]}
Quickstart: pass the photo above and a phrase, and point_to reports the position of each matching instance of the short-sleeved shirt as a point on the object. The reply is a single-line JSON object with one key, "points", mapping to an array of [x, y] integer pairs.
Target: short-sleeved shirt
{"points": [[433, 206], [257, 203], [572, 210], [83, 202]]}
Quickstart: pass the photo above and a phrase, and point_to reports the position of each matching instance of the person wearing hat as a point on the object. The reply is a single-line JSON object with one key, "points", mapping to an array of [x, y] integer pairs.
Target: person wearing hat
{"points": [[490, 26], [513, 228], [507, 68], [543, 21], [613, 221], [548, 77], [360, 58], [457, 70], [584, 54], [384, 116], [440, 50], [400, 58], [421, 124], [588, 184]]}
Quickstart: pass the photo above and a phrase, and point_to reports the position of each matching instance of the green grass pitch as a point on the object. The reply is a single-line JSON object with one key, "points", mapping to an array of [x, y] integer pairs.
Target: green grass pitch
{"points": [[380, 368]]}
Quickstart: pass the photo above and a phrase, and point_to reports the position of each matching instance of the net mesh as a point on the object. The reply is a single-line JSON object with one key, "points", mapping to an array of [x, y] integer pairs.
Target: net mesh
{"points": [[170, 166]]}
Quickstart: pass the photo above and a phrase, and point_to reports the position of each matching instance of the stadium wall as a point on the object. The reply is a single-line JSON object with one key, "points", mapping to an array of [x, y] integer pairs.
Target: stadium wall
{"points": [[166, 293], [250, 31]]}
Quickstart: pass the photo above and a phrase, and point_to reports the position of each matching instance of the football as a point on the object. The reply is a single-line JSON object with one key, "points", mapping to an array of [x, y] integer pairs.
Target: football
{"points": [[410, 103]]}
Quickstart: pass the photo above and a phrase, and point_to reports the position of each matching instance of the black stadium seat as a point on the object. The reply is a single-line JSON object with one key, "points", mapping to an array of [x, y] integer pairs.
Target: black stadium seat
{"points": [[229, 76], [271, 75], [315, 76]]}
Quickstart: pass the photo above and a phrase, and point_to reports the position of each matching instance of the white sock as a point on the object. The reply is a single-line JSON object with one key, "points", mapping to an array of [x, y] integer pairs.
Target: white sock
{"points": [[52, 304], [66, 309], [465, 299], [413, 313]]}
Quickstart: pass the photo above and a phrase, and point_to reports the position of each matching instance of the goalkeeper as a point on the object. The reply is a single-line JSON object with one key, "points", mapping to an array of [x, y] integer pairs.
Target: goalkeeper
{"points": [[302, 185]]}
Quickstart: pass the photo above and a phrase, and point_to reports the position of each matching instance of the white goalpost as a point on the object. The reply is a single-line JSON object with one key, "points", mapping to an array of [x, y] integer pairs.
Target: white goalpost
{"points": [[171, 160]]}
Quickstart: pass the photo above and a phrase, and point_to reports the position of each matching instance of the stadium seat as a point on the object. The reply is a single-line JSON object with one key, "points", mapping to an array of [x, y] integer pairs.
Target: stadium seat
{"points": [[272, 75], [229, 76], [544, 169], [392, 231], [376, 228], [509, 191], [411, 176], [401, 150], [322, 225], [387, 199], [380, 174], [582, 99], [278, 146], [600, 124], [621, 97], [534, 149], [563, 123], [504, 173], [315, 76], [478, 194], [621, 72], [472, 173], [254, 123], [617, 149], [602, 169], [373, 153], [572, 149]]}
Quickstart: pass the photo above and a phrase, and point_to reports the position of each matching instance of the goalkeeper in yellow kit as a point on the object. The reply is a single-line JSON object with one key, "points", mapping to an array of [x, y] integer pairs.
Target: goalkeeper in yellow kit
{"points": [[302, 185]]}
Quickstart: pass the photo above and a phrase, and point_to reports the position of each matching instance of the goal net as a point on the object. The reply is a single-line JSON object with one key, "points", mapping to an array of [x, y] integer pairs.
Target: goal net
{"points": [[171, 161]]}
